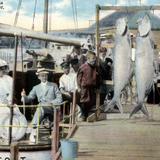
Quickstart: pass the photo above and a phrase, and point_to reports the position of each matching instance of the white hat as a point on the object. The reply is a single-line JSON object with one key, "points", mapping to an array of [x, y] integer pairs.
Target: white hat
{"points": [[121, 25], [42, 70], [144, 25], [3, 63]]}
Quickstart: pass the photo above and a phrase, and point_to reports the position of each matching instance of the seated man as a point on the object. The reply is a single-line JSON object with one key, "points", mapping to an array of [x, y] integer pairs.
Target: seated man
{"points": [[47, 94]]}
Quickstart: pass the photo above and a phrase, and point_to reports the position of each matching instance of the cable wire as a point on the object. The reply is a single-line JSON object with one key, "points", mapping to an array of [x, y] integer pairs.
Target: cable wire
{"points": [[17, 13]]}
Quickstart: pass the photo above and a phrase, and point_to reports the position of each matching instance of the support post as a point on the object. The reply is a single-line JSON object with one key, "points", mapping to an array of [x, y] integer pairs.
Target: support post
{"points": [[55, 133], [14, 150], [13, 89], [74, 107], [97, 51]]}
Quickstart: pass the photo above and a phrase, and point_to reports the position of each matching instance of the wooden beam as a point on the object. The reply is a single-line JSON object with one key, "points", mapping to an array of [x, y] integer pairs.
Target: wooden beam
{"points": [[129, 8], [37, 35]]}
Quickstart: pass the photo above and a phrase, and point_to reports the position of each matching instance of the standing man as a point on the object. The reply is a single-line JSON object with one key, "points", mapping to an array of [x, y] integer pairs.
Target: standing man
{"points": [[87, 78], [67, 82], [5, 84], [47, 94]]}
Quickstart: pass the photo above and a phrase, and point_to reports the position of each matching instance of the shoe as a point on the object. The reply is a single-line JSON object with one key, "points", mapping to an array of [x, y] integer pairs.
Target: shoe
{"points": [[32, 137], [91, 118], [81, 119]]}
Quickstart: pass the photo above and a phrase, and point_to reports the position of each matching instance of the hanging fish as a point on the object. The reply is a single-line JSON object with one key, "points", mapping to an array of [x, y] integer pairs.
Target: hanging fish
{"points": [[122, 65], [144, 64]]}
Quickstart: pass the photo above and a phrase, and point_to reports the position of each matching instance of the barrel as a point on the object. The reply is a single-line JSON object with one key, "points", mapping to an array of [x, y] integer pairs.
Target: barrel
{"points": [[69, 149]]}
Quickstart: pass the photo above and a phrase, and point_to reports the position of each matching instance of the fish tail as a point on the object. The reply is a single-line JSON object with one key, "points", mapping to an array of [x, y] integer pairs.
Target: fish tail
{"points": [[114, 102], [110, 105], [136, 109], [139, 106], [144, 110], [119, 105]]}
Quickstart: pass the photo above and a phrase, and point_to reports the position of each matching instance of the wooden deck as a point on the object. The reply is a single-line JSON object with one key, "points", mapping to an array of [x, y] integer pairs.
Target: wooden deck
{"points": [[119, 139]]}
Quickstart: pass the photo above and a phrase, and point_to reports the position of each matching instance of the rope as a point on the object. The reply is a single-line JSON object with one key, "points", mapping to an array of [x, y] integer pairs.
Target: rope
{"points": [[50, 16], [17, 13], [73, 12], [75, 6], [34, 13]]}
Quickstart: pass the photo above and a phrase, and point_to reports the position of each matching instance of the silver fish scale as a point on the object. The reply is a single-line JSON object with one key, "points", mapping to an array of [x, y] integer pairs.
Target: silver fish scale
{"points": [[144, 68], [122, 64]]}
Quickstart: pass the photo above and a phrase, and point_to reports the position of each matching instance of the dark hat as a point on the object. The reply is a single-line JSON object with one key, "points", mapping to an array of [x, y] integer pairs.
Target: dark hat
{"points": [[42, 70], [64, 65], [74, 61]]}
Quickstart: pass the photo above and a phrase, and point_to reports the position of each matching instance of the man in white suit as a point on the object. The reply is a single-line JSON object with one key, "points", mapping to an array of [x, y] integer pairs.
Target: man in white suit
{"points": [[47, 94]]}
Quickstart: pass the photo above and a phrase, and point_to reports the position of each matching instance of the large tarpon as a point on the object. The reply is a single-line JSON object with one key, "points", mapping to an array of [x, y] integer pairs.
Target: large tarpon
{"points": [[144, 64], [121, 62]]}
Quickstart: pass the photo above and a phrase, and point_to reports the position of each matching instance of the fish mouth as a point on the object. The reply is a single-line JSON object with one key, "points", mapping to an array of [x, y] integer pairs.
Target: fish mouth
{"points": [[144, 26]]}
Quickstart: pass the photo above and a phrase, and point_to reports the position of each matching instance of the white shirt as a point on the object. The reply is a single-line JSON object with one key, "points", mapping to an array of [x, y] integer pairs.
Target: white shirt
{"points": [[133, 54], [68, 82], [6, 89]]}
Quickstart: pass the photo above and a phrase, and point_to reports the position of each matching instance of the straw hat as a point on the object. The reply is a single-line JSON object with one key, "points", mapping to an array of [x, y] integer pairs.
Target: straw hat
{"points": [[42, 70], [3, 63], [121, 25], [144, 25]]}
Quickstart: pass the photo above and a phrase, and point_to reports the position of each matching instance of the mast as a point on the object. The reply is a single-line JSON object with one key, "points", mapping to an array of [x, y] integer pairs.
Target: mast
{"points": [[45, 20]]}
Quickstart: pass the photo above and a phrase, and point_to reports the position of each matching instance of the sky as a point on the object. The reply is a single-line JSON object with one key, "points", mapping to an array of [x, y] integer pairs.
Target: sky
{"points": [[61, 12]]}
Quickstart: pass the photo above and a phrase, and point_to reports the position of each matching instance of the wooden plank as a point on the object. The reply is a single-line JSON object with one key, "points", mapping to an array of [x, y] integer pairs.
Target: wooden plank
{"points": [[13, 31], [14, 151], [130, 8], [119, 139]]}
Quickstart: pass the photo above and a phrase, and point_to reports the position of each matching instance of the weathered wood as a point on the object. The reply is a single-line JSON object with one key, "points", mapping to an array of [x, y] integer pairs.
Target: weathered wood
{"points": [[129, 8], [73, 108], [119, 139], [14, 151], [55, 134], [12, 31], [13, 89]]}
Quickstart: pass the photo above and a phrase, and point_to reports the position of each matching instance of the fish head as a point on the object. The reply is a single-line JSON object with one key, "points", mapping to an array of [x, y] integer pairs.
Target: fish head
{"points": [[144, 25], [121, 25]]}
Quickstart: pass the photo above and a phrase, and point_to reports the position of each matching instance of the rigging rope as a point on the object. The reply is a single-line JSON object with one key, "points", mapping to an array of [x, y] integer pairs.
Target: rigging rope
{"points": [[34, 13], [73, 12], [17, 13], [50, 16], [75, 7]]}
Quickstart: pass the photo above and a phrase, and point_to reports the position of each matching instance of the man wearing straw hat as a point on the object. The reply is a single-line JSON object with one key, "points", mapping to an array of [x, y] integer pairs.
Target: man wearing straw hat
{"points": [[5, 84], [47, 94]]}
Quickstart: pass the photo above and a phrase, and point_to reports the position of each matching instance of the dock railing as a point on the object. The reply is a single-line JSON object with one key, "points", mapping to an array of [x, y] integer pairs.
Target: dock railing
{"points": [[58, 128]]}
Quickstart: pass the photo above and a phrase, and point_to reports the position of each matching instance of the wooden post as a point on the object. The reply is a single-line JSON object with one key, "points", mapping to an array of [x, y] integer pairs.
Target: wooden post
{"points": [[97, 51], [13, 89], [73, 108], [55, 133], [14, 150]]}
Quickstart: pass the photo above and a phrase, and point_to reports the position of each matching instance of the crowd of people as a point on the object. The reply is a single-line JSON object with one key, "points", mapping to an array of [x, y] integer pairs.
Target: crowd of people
{"points": [[81, 75]]}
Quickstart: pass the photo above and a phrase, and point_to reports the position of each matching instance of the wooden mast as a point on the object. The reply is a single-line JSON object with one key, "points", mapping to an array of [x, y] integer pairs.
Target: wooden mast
{"points": [[45, 20]]}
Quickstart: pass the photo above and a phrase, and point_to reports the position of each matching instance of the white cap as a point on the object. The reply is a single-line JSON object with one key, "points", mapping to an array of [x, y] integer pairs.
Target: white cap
{"points": [[3, 63], [144, 25], [121, 25]]}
